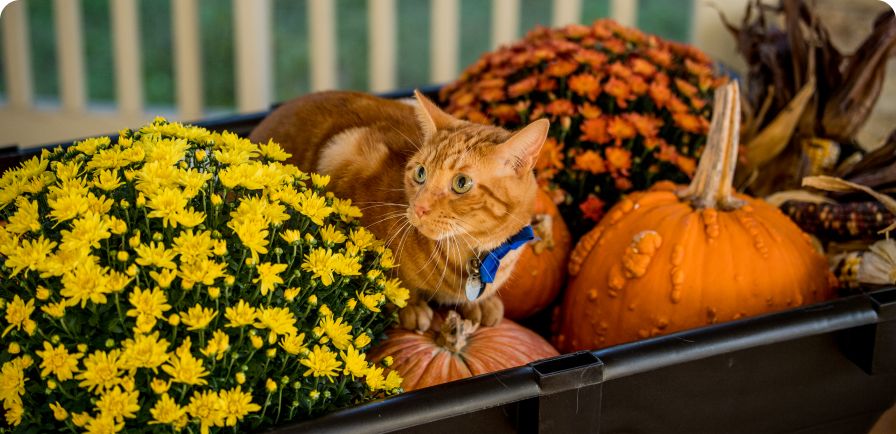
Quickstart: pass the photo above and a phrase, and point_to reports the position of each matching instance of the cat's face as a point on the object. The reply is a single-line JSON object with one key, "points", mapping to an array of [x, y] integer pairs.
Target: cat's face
{"points": [[471, 181]]}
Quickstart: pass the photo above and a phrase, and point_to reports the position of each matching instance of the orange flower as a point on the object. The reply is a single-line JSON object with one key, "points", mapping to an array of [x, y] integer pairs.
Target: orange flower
{"points": [[631, 34], [590, 111], [547, 84], [647, 125], [505, 113], [592, 208], [615, 46], [660, 94], [586, 85], [522, 87], [492, 94], [595, 130], [551, 155], [686, 164], [618, 89], [590, 161], [691, 123], [478, 117], [660, 56], [617, 69], [619, 159], [542, 54], [601, 30], [667, 152], [594, 59], [638, 85], [642, 67], [652, 142], [561, 68], [697, 68], [463, 99], [489, 83], [561, 107], [620, 129], [675, 105], [698, 103], [576, 31], [622, 183], [686, 88]]}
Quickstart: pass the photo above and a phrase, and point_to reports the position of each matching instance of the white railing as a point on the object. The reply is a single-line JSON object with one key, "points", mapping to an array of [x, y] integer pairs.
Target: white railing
{"points": [[21, 121]]}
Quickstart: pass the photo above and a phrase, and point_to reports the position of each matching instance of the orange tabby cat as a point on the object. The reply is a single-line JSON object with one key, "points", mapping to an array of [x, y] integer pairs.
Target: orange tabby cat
{"points": [[442, 192]]}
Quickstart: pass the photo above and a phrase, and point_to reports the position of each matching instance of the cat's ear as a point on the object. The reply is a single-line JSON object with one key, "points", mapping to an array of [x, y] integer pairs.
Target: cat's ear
{"points": [[430, 117], [521, 151]]}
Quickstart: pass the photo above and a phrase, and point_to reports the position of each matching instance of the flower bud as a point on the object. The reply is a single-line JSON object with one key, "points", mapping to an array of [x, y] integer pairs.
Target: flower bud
{"points": [[270, 385], [240, 377], [122, 256]]}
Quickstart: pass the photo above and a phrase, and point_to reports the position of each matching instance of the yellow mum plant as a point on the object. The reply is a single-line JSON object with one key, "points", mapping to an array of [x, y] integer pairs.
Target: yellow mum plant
{"points": [[179, 279]]}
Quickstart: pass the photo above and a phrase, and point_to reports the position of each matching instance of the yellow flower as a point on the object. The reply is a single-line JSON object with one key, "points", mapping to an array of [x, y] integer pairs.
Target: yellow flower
{"points": [[237, 404], [31, 255], [86, 232], [393, 381], [336, 330], [166, 411], [14, 412], [217, 345], [374, 378], [208, 408], [55, 310], [58, 361], [362, 340], [273, 151], [89, 282], [253, 234], [355, 363], [59, 413], [103, 425], [149, 305], [279, 320], [270, 385], [321, 262], [320, 181], [107, 180], [256, 341], [18, 315], [190, 218], [330, 235], [347, 212], [198, 317], [291, 236], [164, 277], [293, 344], [268, 276], [14, 348], [118, 404], [200, 270], [395, 293], [144, 351], [192, 246], [240, 377], [184, 368], [321, 362], [291, 293], [167, 204], [12, 379], [241, 315], [159, 386], [101, 370], [370, 301], [67, 207], [81, 419], [26, 217], [155, 254], [192, 181], [314, 207]]}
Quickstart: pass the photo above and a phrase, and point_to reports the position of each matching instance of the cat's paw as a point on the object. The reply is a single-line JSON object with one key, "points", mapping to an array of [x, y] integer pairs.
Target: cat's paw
{"points": [[415, 316], [487, 312]]}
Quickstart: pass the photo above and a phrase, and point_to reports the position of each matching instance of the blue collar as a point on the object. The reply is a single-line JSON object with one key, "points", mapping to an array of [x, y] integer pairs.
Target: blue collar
{"points": [[489, 267]]}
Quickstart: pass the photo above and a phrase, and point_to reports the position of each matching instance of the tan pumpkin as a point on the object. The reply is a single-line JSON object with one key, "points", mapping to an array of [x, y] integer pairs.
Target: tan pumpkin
{"points": [[541, 271], [673, 258], [454, 348]]}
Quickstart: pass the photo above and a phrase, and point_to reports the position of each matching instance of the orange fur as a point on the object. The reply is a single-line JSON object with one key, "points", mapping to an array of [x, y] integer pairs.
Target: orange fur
{"points": [[373, 147]]}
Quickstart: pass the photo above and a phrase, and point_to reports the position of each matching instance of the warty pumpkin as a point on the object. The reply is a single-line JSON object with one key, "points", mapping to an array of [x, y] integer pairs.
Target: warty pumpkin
{"points": [[673, 258], [541, 270], [454, 348]]}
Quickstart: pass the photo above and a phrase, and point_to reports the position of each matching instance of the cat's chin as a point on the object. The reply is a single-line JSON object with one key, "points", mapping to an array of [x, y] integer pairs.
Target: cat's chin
{"points": [[432, 234]]}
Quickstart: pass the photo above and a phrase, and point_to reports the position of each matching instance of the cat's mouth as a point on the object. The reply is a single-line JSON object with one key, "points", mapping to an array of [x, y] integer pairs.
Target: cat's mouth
{"points": [[432, 228]]}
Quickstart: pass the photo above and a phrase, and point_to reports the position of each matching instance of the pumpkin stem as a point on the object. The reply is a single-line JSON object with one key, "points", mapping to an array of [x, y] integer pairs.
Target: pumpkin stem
{"points": [[544, 229], [712, 184], [455, 331]]}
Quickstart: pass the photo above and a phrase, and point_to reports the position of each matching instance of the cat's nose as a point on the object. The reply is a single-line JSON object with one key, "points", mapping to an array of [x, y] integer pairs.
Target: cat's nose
{"points": [[421, 210]]}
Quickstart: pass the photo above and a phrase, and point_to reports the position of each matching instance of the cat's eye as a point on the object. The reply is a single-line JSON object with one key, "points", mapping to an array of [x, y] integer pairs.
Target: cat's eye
{"points": [[461, 183], [420, 174]]}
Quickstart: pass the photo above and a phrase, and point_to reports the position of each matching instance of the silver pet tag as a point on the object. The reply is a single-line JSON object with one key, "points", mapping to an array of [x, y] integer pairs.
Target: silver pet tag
{"points": [[474, 286]]}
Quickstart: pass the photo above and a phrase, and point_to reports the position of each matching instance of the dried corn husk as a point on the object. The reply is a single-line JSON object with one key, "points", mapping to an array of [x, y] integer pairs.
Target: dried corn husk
{"points": [[830, 183]]}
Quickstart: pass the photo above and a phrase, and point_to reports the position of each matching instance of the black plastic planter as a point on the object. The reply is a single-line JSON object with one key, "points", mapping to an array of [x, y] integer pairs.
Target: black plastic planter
{"points": [[826, 368]]}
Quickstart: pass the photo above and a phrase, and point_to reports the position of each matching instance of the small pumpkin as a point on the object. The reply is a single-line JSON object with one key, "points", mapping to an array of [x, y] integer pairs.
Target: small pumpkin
{"points": [[673, 258], [454, 348], [541, 271]]}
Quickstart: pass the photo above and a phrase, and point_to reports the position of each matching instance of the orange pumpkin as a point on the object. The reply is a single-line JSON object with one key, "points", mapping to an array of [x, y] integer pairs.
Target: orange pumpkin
{"points": [[541, 270], [454, 348], [673, 258]]}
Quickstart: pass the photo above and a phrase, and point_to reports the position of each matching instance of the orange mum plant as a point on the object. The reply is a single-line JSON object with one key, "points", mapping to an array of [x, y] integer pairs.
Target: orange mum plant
{"points": [[627, 109]]}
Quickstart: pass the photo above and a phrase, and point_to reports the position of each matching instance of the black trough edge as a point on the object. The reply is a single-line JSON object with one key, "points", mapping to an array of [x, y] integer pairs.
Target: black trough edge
{"points": [[649, 354], [871, 346]]}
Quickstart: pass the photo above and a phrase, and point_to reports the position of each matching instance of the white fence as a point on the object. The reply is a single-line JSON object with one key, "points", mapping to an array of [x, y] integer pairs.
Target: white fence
{"points": [[23, 122]]}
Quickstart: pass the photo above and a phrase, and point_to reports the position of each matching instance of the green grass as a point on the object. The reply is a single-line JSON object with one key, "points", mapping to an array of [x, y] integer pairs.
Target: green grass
{"points": [[667, 18]]}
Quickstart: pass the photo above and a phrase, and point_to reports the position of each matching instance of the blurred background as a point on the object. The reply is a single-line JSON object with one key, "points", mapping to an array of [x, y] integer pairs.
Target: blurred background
{"points": [[72, 68]]}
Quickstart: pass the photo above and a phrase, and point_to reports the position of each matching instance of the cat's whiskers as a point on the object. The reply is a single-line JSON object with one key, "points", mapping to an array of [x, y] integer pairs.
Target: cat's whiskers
{"points": [[387, 217], [413, 143], [407, 230]]}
